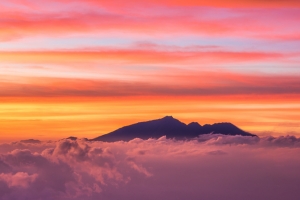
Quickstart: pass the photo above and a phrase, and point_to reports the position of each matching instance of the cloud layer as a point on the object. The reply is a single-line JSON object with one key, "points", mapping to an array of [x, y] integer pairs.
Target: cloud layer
{"points": [[210, 167]]}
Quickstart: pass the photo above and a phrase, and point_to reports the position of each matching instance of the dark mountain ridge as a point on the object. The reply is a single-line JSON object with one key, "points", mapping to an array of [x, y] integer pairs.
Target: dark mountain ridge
{"points": [[171, 128]]}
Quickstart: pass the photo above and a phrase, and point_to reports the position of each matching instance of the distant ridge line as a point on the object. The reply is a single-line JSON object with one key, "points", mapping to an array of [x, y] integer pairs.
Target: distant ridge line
{"points": [[171, 128]]}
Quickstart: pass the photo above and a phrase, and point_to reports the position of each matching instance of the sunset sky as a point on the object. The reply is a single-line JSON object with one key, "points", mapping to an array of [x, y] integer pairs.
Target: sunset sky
{"points": [[86, 67]]}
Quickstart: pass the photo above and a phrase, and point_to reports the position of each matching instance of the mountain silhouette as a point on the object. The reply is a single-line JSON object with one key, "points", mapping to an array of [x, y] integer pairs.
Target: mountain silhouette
{"points": [[171, 128]]}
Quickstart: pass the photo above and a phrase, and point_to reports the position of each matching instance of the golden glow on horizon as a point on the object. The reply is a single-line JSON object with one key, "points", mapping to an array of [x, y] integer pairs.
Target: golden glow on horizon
{"points": [[87, 67], [59, 118]]}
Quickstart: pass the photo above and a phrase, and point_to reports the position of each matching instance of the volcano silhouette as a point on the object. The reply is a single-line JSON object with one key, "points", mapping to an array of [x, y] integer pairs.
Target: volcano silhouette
{"points": [[171, 128]]}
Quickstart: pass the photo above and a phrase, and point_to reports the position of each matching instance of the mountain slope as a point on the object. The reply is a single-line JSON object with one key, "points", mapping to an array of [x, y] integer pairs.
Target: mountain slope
{"points": [[171, 128]]}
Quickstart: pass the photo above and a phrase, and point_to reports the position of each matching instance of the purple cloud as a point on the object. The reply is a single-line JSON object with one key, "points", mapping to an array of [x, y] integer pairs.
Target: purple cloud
{"points": [[210, 167]]}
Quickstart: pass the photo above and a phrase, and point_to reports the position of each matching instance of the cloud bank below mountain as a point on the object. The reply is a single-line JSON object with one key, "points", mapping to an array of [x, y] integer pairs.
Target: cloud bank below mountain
{"points": [[210, 167]]}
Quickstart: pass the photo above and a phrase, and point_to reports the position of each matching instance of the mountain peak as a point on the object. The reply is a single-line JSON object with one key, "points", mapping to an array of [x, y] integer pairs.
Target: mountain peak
{"points": [[194, 124], [194, 127], [168, 117], [171, 128], [170, 121]]}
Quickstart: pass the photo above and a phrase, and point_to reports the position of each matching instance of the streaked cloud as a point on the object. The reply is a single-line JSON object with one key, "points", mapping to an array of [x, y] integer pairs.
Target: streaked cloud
{"points": [[225, 52]]}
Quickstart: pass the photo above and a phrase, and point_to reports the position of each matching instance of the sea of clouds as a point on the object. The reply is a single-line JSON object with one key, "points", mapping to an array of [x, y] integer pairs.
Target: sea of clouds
{"points": [[211, 167]]}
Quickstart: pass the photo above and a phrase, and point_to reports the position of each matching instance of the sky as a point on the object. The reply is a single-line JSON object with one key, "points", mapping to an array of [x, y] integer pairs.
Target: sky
{"points": [[87, 67], [84, 68]]}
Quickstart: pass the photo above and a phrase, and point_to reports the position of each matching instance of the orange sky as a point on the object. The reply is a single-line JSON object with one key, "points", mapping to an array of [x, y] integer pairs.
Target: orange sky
{"points": [[87, 67], [55, 118]]}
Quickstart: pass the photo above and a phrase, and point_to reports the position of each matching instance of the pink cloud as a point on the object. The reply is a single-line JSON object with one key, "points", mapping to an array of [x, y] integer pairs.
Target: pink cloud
{"points": [[172, 82], [208, 168], [143, 18], [20, 179]]}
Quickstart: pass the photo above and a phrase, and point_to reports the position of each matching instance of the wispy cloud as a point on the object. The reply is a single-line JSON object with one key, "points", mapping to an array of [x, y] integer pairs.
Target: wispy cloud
{"points": [[96, 49], [149, 17], [177, 83]]}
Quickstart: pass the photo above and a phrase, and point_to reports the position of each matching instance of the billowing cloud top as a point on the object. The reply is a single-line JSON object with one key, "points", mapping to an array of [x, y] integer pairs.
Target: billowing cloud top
{"points": [[210, 167]]}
